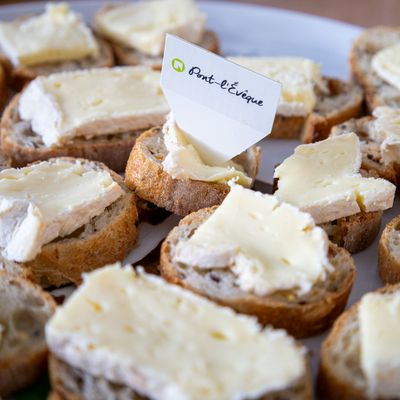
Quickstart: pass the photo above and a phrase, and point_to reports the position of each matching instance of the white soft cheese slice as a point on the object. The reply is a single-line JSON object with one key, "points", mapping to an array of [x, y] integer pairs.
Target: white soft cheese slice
{"points": [[144, 24], [93, 102], [57, 35], [323, 179], [184, 162], [379, 321], [386, 129], [44, 201], [386, 64], [299, 78], [269, 245], [167, 343]]}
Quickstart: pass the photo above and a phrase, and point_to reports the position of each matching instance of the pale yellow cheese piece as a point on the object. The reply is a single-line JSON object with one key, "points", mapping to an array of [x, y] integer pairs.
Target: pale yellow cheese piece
{"points": [[184, 162], [167, 343], [379, 320], [43, 201], [57, 35], [143, 25], [323, 179], [269, 245], [93, 102], [386, 64], [299, 78]]}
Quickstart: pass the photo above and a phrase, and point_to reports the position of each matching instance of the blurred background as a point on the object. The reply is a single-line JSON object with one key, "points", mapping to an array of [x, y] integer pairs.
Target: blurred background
{"points": [[360, 12]]}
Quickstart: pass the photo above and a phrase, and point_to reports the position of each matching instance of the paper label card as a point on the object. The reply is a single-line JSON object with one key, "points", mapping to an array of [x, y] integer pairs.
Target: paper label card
{"points": [[222, 107]]}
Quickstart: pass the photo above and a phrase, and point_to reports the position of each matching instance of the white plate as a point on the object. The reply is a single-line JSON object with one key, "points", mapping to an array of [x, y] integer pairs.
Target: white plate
{"points": [[256, 30]]}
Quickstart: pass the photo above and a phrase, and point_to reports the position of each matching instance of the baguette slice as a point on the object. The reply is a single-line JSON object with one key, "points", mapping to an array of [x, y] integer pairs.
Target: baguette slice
{"points": [[125, 55], [377, 92], [24, 311], [21, 75], [74, 384], [389, 252], [106, 239], [146, 176], [343, 101], [21, 146], [372, 163], [301, 316], [340, 375]]}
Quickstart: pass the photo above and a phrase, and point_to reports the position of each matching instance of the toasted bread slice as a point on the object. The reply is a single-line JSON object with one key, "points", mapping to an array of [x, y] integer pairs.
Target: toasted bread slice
{"points": [[125, 55], [74, 384], [372, 162], [21, 75], [389, 252], [24, 311], [343, 101], [377, 91], [146, 176], [106, 239], [301, 316], [21, 146], [340, 374]]}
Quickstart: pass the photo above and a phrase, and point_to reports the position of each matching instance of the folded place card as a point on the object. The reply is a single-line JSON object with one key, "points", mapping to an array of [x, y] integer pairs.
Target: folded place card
{"points": [[222, 107]]}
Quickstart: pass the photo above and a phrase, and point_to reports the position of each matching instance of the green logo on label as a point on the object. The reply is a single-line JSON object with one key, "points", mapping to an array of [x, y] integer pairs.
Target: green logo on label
{"points": [[178, 65]]}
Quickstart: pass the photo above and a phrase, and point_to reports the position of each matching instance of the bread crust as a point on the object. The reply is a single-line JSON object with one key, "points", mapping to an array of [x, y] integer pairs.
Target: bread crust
{"points": [[388, 260], [347, 98], [63, 260], [112, 150], [22, 75], [181, 196], [330, 386], [300, 318], [376, 91], [22, 370]]}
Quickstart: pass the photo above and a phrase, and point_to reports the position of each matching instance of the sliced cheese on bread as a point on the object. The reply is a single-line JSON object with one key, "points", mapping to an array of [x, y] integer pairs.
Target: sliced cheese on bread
{"points": [[379, 319], [167, 343], [183, 161], [143, 25], [57, 35], [323, 179], [386, 64], [300, 78], [269, 245], [93, 102], [43, 201]]}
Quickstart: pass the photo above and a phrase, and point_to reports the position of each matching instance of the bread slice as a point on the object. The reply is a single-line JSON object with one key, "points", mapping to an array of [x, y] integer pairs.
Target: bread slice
{"points": [[377, 91], [24, 311], [389, 252], [125, 55], [340, 375], [301, 316], [106, 239], [145, 175], [343, 101], [21, 146], [74, 384], [372, 163], [21, 75]]}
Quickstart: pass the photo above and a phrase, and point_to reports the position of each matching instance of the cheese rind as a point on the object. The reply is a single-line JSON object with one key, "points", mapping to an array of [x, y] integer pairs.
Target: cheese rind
{"points": [[143, 25], [323, 179], [379, 321], [93, 102], [48, 200], [386, 64], [299, 78], [386, 130], [184, 162], [165, 342], [57, 35], [268, 245]]}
